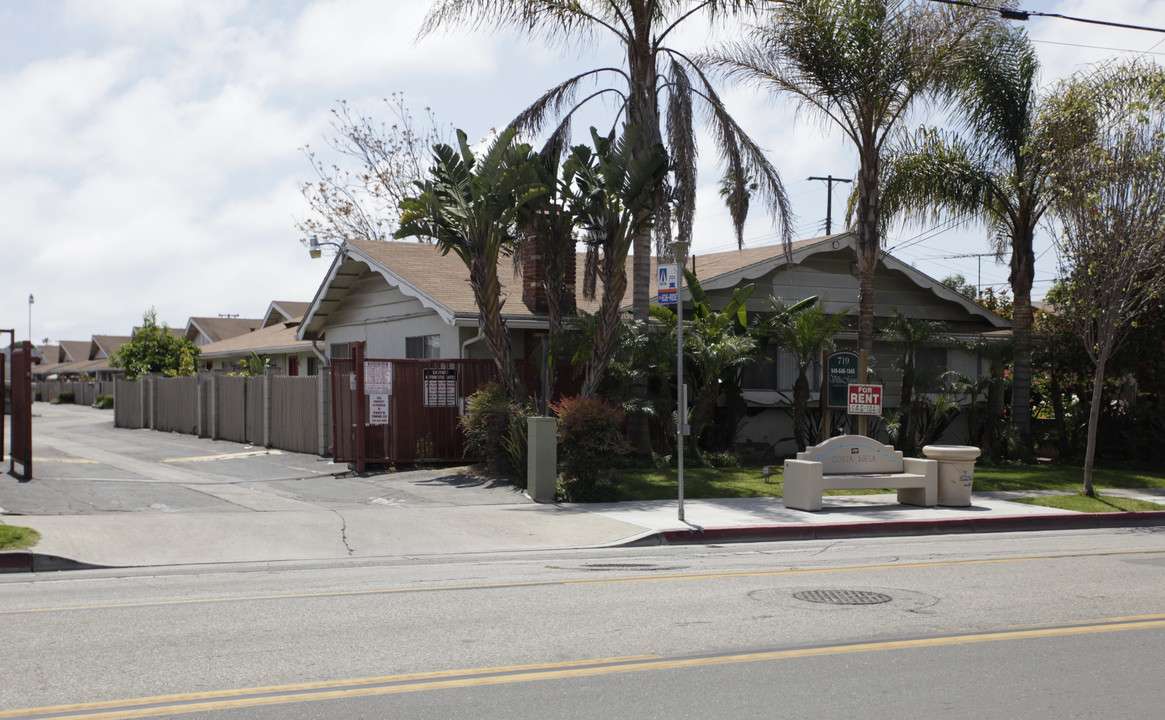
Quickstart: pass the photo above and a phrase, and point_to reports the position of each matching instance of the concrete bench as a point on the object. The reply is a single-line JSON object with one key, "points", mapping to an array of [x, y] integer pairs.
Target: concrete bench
{"points": [[852, 462]]}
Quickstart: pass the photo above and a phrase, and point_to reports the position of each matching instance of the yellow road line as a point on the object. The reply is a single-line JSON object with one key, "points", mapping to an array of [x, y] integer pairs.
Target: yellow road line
{"points": [[655, 578], [476, 677]]}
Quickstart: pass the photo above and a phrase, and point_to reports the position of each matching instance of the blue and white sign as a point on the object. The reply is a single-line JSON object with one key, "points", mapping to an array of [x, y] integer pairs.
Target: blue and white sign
{"points": [[666, 284]]}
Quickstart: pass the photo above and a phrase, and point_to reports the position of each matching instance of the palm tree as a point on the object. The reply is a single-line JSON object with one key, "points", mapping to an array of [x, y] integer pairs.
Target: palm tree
{"points": [[910, 335], [716, 344], [803, 330], [608, 192], [469, 205], [860, 65], [993, 170], [650, 70]]}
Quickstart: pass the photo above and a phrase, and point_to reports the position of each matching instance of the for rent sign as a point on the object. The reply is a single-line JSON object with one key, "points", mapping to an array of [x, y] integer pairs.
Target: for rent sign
{"points": [[865, 399]]}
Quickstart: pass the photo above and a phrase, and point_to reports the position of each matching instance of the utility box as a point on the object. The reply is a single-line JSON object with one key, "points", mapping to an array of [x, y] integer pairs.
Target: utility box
{"points": [[542, 458], [956, 472]]}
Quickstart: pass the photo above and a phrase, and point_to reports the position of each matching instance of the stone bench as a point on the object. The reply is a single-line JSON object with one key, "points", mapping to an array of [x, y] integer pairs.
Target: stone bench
{"points": [[852, 462]]}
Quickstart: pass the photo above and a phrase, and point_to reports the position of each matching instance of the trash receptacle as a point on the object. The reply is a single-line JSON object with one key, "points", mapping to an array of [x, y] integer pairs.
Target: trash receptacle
{"points": [[956, 472]]}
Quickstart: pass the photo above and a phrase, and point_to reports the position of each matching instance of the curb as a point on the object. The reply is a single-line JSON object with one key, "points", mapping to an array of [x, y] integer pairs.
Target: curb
{"points": [[841, 531], [16, 561]]}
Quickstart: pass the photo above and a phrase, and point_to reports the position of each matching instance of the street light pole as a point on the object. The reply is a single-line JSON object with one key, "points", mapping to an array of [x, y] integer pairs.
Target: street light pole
{"points": [[679, 251], [30, 301]]}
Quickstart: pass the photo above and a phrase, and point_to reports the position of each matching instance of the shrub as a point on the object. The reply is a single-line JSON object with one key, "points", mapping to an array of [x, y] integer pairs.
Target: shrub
{"points": [[590, 444], [103, 402], [64, 398], [487, 425]]}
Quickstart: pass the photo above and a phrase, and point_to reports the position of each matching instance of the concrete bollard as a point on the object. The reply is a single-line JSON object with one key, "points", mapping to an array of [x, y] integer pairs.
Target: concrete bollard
{"points": [[542, 458]]}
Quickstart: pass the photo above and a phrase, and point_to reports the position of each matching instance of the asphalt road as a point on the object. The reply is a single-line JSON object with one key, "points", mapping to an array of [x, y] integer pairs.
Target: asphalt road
{"points": [[1011, 625]]}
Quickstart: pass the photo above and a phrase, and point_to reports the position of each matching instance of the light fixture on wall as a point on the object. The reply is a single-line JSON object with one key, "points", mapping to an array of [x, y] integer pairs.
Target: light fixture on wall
{"points": [[315, 247]]}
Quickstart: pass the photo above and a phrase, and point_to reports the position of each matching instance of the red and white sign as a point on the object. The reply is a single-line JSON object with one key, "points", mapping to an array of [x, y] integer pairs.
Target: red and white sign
{"points": [[865, 399]]}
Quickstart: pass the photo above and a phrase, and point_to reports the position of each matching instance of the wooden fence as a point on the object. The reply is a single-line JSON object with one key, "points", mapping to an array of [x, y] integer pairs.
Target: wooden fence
{"points": [[84, 392], [276, 411]]}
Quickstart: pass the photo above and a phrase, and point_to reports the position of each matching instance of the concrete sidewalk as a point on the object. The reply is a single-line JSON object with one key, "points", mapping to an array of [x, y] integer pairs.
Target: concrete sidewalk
{"points": [[130, 498]]}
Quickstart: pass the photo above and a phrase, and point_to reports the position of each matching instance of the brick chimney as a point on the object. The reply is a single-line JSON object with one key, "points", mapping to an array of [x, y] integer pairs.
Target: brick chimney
{"points": [[534, 281]]}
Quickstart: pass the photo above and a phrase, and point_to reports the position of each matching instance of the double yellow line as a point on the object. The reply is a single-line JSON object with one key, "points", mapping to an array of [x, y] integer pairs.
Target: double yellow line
{"points": [[475, 677]]}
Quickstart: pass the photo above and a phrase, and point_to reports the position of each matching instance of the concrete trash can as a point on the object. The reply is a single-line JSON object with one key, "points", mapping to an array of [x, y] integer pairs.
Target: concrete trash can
{"points": [[956, 472]]}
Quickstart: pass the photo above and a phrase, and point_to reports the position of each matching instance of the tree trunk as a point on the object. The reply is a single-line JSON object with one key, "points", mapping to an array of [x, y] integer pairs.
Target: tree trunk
{"points": [[800, 403], [614, 287], [1094, 422], [1057, 392], [1022, 274], [868, 242], [906, 411], [487, 293]]}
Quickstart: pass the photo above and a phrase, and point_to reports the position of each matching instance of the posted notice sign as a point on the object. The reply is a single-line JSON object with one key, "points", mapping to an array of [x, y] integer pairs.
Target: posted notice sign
{"points": [[865, 399], [665, 286]]}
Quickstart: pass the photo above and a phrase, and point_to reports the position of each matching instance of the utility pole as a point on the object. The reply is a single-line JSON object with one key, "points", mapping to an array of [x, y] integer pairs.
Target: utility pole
{"points": [[829, 181]]}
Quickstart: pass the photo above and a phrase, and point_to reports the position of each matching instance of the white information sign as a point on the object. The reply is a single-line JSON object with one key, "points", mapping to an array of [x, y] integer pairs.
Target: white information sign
{"points": [[377, 378], [378, 409], [666, 284]]}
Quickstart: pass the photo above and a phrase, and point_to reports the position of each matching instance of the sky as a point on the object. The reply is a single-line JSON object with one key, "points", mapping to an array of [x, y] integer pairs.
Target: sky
{"points": [[152, 151]]}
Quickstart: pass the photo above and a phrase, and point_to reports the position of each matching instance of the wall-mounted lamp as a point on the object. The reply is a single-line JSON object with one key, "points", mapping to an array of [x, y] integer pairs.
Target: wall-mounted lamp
{"points": [[315, 247]]}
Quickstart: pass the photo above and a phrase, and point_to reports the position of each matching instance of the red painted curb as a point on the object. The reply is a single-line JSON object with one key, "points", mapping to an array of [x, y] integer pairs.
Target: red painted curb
{"points": [[15, 561]]}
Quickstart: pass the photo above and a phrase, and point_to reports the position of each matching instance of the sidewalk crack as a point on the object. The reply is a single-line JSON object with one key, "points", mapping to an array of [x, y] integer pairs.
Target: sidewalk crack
{"points": [[344, 533]]}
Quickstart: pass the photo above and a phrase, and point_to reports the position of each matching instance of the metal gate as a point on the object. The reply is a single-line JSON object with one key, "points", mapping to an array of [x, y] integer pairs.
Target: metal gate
{"points": [[21, 404], [404, 411]]}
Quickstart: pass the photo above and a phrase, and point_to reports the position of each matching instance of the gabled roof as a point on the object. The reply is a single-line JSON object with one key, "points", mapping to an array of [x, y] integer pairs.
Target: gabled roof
{"points": [[440, 282], [74, 350], [216, 328], [103, 347], [284, 311], [272, 340]]}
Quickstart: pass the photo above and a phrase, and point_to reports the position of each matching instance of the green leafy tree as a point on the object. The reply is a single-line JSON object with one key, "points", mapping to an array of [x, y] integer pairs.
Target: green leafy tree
{"points": [[656, 87], [860, 65], [992, 169], [155, 349], [1111, 211], [469, 205]]}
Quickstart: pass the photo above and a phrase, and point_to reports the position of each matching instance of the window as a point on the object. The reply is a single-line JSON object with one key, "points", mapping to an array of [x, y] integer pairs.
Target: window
{"points": [[930, 364], [339, 351], [313, 365], [423, 346]]}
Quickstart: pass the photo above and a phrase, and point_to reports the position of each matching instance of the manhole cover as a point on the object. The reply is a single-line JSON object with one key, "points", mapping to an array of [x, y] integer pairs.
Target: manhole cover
{"points": [[842, 597]]}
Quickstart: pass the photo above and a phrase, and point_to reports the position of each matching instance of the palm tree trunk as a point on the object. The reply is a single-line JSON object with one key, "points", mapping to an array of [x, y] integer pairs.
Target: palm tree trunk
{"points": [[614, 287], [487, 293], [800, 404], [1022, 275], [868, 242]]}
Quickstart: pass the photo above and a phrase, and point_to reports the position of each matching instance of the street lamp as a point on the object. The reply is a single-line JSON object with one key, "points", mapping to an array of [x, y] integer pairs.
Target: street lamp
{"points": [[679, 251], [30, 301], [315, 247]]}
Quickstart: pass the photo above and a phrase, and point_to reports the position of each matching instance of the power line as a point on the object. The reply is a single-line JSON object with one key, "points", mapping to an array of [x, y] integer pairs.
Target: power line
{"points": [[1097, 47], [1010, 14]]}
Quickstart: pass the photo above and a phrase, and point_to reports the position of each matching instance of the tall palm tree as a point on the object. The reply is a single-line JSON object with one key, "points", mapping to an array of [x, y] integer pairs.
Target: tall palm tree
{"points": [[469, 205], [993, 169], [650, 70], [860, 65]]}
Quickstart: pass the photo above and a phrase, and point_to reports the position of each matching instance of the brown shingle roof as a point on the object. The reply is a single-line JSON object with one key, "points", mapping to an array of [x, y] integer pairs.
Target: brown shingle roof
{"points": [[217, 328], [271, 339]]}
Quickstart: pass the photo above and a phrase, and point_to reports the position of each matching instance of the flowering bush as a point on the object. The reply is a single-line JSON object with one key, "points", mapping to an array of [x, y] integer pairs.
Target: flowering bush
{"points": [[590, 443]]}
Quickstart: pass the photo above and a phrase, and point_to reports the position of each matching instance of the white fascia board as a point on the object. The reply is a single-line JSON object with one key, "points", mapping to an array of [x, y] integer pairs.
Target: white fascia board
{"points": [[512, 322], [353, 253], [925, 281], [284, 350], [749, 273]]}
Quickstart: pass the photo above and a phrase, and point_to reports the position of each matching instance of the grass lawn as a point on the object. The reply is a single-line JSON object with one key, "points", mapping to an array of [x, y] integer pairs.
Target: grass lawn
{"points": [[1098, 504], [14, 537], [699, 483]]}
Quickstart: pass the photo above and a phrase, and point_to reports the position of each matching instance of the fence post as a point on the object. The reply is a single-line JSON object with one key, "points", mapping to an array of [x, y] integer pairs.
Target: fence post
{"points": [[212, 406], [267, 406], [324, 394]]}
